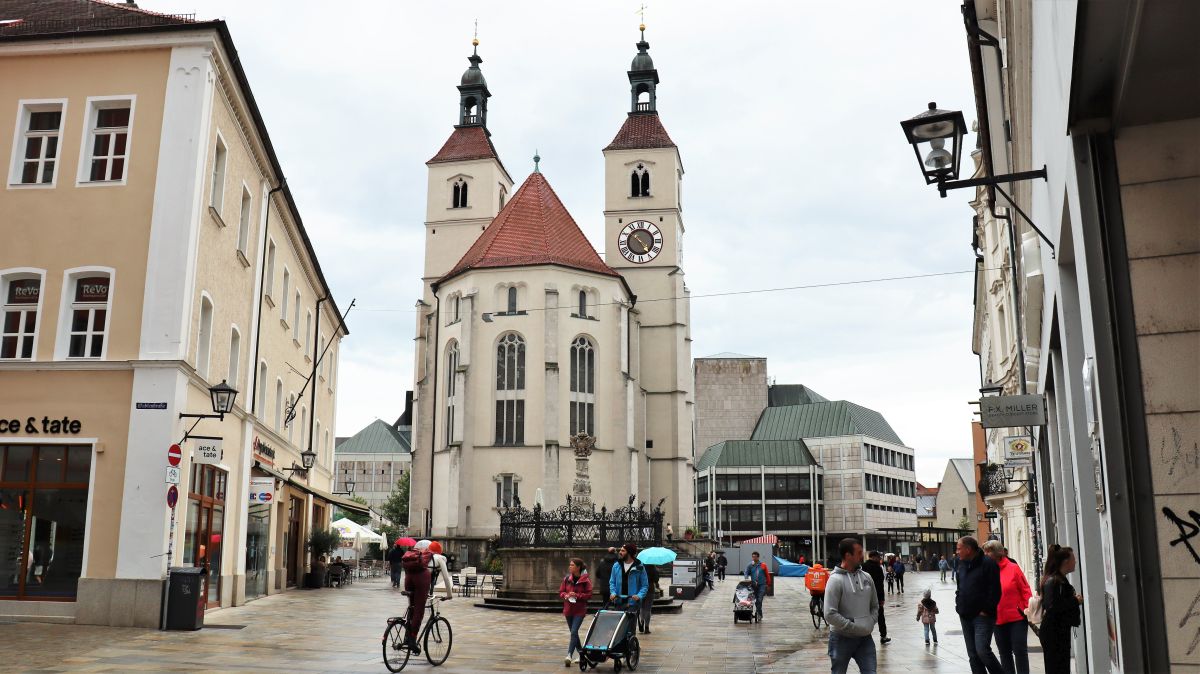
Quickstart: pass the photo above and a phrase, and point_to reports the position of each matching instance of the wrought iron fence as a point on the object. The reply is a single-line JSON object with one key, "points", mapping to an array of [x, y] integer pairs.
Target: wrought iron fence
{"points": [[575, 524]]}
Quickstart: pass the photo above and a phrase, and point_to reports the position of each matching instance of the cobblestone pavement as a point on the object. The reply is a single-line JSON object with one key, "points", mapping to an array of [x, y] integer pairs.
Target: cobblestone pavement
{"points": [[339, 630]]}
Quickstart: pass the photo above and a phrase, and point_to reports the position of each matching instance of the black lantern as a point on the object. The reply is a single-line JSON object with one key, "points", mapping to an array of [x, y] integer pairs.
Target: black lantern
{"points": [[930, 133], [350, 485], [308, 458], [223, 396]]}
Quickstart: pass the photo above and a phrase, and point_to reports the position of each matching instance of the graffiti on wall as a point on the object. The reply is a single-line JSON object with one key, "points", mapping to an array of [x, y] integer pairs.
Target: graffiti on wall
{"points": [[1187, 530]]}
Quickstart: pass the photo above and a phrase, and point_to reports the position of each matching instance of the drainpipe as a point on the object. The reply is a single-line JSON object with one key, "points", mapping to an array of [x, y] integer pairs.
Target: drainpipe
{"points": [[262, 291], [437, 327], [312, 404]]}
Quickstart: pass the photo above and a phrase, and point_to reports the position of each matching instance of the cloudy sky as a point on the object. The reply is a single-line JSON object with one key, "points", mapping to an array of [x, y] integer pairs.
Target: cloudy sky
{"points": [[786, 115]]}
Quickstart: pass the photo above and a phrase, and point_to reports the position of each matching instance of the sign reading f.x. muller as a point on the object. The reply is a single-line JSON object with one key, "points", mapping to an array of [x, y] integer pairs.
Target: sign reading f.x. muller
{"points": [[1011, 411]]}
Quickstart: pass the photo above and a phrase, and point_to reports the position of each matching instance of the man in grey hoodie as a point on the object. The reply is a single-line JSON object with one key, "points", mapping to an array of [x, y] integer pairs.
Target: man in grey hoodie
{"points": [[850, 610]]}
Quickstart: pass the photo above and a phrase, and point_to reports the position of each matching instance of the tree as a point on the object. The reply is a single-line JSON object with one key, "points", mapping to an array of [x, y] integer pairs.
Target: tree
{"points": [[357, 518], [964, 523], [396, 507]]}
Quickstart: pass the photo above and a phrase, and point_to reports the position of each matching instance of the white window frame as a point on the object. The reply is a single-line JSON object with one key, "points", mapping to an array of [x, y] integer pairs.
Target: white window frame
{"points": [[216, 193], [25, 107], [17, 274], [278, 404], [270, 268], [580, 378], [514, 481], [204, 336], [307, 330], [296, 318], [234, 364], [260, 396], [283, 300], [515, 395], [452, 392], [94, 105], [244, 214], [62, 345]]}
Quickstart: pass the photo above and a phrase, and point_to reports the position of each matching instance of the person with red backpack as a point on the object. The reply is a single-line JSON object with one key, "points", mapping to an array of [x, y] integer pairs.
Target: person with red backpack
{"points": [[757, 571], [416, 585]]}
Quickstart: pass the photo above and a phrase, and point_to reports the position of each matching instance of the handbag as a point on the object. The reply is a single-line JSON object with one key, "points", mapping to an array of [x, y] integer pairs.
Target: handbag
{"points": [[1035, 611]]}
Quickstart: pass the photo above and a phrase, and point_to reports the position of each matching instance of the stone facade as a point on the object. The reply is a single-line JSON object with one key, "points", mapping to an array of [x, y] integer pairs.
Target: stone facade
{"points": [[731, 393]]}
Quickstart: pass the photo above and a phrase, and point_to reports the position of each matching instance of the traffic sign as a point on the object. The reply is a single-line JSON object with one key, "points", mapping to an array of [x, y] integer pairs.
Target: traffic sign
{"points": [[173, 475], [172, 496], [174, 455]]}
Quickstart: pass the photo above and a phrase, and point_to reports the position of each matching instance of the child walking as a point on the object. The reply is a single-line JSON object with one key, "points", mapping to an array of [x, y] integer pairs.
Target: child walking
{"points": [[927, 611]]}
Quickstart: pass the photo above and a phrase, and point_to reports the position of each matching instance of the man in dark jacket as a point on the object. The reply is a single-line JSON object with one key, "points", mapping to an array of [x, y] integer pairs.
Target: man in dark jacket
{"points": [[975, 601], [393, 558], [722, 562], [874, 569], [604, 567]]}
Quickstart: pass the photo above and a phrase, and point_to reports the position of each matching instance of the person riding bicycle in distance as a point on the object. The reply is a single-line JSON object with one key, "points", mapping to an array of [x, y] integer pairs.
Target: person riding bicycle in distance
{"points": [[815, 580], [628, 578]]}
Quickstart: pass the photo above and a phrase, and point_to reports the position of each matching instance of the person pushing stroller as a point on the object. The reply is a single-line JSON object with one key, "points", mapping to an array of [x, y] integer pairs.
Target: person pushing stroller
{"points": [[628, 581]]}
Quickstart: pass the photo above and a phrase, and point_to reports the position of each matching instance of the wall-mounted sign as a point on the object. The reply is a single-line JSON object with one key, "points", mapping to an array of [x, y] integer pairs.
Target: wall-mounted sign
{"points": [[172, 476], [150, 406], [991, 514], [1012, 411], [92, 289], [35, 426], [172, 496], [24, 291], [1018, 450], [207, 450], [262, 490], [264, 452]]}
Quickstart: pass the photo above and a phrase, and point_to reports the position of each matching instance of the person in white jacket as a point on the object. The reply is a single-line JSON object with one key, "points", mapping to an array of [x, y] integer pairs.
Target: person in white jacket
{"points": [[850, 610], [440, 571]]}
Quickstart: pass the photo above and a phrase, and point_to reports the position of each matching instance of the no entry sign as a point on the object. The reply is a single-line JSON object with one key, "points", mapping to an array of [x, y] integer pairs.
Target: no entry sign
{"points": [[172, 496], [174, 455]]}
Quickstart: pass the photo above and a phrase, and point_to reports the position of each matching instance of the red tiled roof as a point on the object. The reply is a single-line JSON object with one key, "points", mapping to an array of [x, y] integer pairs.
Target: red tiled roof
{"points": [[533, 228], [467, 142], [52, 17], [641, 131]]}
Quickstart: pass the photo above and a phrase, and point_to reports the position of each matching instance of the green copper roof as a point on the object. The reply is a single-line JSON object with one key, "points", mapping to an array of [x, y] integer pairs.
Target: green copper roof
{"points": [[757, 453], [377, 438], [779, 395], [822, 420]]}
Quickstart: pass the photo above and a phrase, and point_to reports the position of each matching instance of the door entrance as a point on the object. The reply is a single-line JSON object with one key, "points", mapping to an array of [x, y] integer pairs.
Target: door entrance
{"points": [[205, 527], [293, 542]]}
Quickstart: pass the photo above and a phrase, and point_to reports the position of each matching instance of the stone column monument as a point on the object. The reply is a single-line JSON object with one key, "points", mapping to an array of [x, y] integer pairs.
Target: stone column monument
{"points": [[581, 490]]}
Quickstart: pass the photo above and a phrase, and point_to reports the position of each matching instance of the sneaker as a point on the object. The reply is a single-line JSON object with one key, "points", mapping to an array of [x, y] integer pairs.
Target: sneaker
{"points": [[567, 661], [927, 642], [885, 640]]}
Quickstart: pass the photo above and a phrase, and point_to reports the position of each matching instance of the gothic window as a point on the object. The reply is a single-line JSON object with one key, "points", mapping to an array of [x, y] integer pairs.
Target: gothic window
{"points": [[583, 304], [459, 199], [510, 390], [639, 182], [457, 308], [512, 300], [451, 391], [583, 386], [507, 494]]}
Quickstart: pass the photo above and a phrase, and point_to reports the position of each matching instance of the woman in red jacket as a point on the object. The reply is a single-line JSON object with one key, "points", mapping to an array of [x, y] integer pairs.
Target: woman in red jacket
{"points": [[575, 591], [1012, 630]]}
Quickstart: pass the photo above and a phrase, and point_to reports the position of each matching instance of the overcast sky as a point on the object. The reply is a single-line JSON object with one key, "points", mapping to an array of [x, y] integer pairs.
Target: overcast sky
{"points": [[787, 118]]}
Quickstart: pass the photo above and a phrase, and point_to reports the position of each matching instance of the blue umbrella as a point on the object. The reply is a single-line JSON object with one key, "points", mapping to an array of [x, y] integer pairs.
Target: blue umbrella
{"points": [[656, 556]]}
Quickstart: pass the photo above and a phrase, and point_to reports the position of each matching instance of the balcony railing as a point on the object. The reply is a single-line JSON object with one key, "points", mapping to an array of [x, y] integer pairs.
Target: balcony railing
{"points": [[643, 106]]}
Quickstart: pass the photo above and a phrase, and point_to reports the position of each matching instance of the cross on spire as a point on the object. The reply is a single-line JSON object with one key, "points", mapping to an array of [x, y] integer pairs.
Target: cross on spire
{"points": [[642, 26]]}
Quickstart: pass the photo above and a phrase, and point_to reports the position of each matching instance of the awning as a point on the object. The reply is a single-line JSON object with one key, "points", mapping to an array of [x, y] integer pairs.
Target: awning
{"points": [[772, 539], [341, 502]]}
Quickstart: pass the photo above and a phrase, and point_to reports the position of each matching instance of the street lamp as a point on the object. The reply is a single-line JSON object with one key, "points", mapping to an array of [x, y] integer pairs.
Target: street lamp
{"points": [[349, 488], [928, 133], [307, 458], [222, 396]]}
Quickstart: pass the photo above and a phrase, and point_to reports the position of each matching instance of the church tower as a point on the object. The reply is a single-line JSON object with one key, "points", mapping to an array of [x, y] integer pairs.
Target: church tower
{"points": [[468, 185], [644, 230]]}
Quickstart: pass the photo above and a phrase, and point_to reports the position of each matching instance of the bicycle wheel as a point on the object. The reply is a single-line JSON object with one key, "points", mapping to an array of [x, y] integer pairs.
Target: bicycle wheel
{"points": [[635, 653], [395, 653], [437, 641]]}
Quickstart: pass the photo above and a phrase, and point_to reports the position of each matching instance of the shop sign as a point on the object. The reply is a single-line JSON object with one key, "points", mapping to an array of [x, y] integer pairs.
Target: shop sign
{"points": [[991, 514], [35, 426], [24, 291], [92, 289], [264, 452], [207, 450], [262, 490], [1018, 451], [1012, 411]]}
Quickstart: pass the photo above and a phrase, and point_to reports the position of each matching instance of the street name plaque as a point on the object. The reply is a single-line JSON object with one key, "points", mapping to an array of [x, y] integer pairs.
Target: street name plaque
{"points": [[1012, 411]]}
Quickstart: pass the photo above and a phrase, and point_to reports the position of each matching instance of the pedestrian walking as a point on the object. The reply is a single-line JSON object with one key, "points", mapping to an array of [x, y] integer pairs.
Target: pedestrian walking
{"points": [[1012, 629], [943, 566], [927, 611], [670, 532], [722, 562], [874, 568], [889, 573], [757, 572], [1060, 609], [604, 569], [648, 605], [899, 569], [850, 610], [575, 591], [976, 600], [954, 568], [393, 559], [710, 569]]}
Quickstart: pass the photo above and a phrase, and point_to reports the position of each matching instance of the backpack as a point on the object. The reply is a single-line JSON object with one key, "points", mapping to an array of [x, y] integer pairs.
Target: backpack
{"points": [[1035, 611], [414, 561]]}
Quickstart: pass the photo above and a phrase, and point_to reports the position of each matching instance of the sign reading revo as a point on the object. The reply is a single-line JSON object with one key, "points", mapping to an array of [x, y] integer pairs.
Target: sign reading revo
{"points": [[174, 455]]}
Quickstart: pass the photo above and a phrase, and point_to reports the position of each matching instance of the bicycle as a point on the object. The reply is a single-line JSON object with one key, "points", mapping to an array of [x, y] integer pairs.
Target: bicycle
{"points": [[817, 608], [435, 638]]}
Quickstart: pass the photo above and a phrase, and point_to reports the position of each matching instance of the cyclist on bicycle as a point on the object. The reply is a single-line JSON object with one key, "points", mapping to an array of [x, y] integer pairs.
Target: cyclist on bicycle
{"points": [[416, 584], [815, 580]]}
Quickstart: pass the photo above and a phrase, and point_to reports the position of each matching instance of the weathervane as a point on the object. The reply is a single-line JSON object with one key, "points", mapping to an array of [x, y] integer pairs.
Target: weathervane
{"points": [[642, 27], [537, 158], [475, 38]]}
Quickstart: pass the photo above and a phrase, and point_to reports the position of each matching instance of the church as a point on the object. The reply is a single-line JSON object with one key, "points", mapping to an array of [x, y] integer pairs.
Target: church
{"points": [[527, 336]]}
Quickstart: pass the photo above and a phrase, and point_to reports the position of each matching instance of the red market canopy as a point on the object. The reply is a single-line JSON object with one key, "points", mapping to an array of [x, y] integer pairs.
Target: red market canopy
{"points": [[771, 539]]}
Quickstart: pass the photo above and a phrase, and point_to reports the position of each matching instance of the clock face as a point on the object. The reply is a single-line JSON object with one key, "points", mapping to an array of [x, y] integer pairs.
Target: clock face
{"points": [[640, 241]]}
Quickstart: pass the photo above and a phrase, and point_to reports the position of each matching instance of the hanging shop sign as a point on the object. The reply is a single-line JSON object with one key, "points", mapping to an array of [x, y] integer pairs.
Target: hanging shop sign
{"points": [[1018, 451], [262, 490], [207, 450], [45, 425], [264, 452], [1012, 411]]}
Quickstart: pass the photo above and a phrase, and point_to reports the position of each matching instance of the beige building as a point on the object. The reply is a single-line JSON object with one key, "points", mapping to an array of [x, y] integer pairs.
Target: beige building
{"points": [[526, 336], [731, 392], [152, 251], [956, 501]]}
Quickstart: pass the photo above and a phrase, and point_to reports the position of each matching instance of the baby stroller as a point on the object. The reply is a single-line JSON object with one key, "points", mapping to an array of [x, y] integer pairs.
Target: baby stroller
{"points": [[611, 636], [743, 602]]}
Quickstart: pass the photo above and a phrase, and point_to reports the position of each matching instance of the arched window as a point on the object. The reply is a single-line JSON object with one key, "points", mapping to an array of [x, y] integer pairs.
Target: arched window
{"points": [[583, 386], [512, 300], [204, 339], [459, 199], [639, 182], [635, 185], [451, 391], [646, 184], [583, 304], [235, 355], [260, 398], [278, 404], [510, 390]]}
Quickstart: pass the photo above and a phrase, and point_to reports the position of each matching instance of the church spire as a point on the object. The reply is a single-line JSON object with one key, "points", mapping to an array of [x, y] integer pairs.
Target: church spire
{"points": [[473, 91], [643, 78]]}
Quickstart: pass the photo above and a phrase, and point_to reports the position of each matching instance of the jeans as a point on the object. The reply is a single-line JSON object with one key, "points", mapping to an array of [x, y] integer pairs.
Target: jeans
{"points": [[943, 575], [881, 620], [843, 649], [977, 633], [1012, 641], [759, 593], [930, 627], [573, 624], [646, 609], [721, 572], [900, 582], [397, 575]]}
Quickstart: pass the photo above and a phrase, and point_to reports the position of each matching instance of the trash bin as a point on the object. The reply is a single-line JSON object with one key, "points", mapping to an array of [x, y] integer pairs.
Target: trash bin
{"points": [[185, 598]]}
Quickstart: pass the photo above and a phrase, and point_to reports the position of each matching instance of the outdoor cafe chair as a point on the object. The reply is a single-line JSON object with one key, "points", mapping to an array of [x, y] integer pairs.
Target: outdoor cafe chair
{"points": [[472, 582]]}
